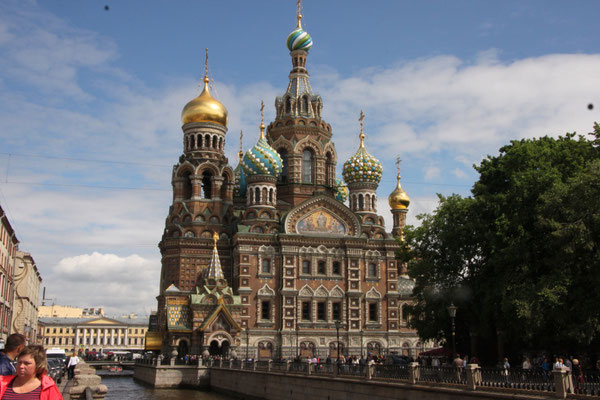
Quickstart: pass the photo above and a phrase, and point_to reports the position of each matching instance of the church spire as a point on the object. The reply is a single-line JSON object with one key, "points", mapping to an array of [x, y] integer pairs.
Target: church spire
{"points": [[215, 273], [299, 100]]}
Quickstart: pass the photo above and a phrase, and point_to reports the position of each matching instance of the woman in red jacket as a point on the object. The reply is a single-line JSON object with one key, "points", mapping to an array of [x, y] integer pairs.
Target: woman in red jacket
{"points": [[31, 381]]}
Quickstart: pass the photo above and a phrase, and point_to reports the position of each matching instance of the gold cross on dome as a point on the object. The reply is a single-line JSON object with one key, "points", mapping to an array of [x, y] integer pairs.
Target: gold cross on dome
{"points": [[299, 4], [362, 135], [206, 63], [398, 161], [262, 107]]}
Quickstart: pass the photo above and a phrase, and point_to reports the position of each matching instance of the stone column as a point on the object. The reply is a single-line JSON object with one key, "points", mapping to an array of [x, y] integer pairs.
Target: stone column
{"points": [[473, 376], [76, 336], [98, 337], [563, 381], [112, 336], [119, 337], [105, 338], [84, 336], [126, 337], [413, 372]]}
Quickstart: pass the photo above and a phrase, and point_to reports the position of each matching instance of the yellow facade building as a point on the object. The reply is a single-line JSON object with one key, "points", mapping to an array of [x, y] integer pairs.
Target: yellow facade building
{"points": [[93, 334]]}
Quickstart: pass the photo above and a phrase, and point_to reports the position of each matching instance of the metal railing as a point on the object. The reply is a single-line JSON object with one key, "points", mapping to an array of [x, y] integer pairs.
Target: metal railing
{"points": [[391, 372], [453, 375], [516, 378]]}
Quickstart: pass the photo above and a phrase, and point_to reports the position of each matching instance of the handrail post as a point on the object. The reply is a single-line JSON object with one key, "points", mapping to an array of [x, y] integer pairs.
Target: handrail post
{"points": [[309, 368], [288, 365], [413, 372], [370, 370], [563, 381], [269, 365], [254, 362], [473, 376], [220, 363]]}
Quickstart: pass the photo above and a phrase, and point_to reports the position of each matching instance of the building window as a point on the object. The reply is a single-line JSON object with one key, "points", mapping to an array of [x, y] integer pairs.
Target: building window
{"points": [[321, 267], [53, 330], [336, 311], [372, 270], [265, 308], [306, 310], [373, 312], [336, 268], [405, 313], [305, 267], [266, 266], [321, 311], [307, 162], [284, 164]]}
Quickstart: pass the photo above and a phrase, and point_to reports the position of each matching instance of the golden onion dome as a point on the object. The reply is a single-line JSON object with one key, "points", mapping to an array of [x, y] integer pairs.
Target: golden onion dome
{"points": [[399, 199], [204, 108]]}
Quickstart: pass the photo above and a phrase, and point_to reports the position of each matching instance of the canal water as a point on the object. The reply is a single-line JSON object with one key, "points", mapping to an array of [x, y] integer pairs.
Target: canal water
{"points": [[126, 388]]}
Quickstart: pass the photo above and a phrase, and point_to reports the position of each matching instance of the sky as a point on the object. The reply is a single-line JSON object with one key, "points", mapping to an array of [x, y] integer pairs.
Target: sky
{"points": [[90, 105]]}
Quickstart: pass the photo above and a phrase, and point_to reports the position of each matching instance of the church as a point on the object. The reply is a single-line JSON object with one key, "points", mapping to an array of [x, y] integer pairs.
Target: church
{"points": [[276, 257]]}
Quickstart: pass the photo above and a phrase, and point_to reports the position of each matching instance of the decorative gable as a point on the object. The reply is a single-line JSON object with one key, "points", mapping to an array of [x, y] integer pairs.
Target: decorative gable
{"points": [[322, 215]]}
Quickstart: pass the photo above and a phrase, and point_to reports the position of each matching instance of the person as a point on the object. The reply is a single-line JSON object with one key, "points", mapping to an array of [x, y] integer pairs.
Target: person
{"points": [[577, 373], [31, 381], [73, 361], [14, 344], [526, 363]]}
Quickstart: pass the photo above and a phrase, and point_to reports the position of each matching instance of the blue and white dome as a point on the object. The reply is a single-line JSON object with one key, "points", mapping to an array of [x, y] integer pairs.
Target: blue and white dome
{"points": [[299, 40], [262, 159]]}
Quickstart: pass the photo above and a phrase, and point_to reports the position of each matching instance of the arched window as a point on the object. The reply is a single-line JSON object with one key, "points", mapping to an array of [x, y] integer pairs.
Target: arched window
{"points": [[284, 162], [193, 144], [271, 196], [307, 166], [305, 104], [187, 186], [224, 188], [214, 142], [207, 184], [199, 141], [257, 196], [288, 105], [373, 202], [361, 202], [207, 140]]}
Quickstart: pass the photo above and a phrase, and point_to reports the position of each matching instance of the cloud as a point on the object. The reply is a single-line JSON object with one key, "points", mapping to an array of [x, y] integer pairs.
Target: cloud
{"points": [[432, 172], [108, 281]]}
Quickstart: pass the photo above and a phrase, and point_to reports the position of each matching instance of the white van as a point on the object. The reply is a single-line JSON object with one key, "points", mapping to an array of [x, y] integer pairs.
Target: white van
{"points": [[56, 353]]}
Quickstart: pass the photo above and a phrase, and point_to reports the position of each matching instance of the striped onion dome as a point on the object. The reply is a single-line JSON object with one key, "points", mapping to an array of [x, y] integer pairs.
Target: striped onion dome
{"points": [[262, 159], [362, 167], [299, 40]]}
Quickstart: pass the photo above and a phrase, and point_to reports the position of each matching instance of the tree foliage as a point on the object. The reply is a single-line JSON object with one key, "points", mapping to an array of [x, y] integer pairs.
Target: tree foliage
{"points": [[520, 256]]}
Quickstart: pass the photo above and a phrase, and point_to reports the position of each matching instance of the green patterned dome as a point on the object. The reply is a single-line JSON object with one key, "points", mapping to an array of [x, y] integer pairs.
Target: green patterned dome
{"points": [[262, 159], [362, 167], [341, 190]]}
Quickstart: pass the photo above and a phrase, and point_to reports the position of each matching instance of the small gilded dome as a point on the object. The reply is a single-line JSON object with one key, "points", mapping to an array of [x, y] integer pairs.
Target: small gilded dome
{"points": [[299, 40], [362, 167], [398, 199], [204, 108], [262, 159]]}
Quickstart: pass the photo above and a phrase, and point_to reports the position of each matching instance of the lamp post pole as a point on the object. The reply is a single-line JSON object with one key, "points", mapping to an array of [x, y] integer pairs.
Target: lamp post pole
{"points": [[452, 312], [247, 342], [297, 329]]}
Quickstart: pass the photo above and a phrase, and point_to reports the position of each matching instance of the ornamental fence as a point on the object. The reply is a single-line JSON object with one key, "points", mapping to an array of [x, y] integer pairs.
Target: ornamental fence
{"points": [[557, 383]]}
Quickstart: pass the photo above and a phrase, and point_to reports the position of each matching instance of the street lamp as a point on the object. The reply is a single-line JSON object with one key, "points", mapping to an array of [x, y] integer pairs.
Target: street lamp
{"points": [[338, 325], [452, 312], [297, 329], [247, 342]]}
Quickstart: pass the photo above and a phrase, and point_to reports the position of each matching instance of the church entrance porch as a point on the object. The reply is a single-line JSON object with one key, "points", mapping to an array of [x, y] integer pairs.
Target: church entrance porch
{"points": [[219, 348]]}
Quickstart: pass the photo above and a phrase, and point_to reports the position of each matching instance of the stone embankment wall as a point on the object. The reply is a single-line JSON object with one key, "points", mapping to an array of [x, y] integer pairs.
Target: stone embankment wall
{"points": [[273, 386], [171, 376], [85, 376]]}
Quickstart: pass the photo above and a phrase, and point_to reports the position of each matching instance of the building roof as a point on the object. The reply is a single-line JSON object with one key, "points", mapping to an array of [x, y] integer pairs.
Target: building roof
{"points": [[94, 321]]}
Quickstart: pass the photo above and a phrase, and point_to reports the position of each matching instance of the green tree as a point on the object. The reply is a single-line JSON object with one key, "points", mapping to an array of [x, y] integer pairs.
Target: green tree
{"points": [[519, 257]]}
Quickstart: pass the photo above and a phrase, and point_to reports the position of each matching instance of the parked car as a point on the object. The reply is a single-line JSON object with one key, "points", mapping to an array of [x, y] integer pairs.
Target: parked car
{"points": [[55, 370]]}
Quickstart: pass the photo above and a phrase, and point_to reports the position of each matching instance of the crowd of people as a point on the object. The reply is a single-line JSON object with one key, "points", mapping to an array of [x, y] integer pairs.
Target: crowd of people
{"points": [[24, 372]]}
